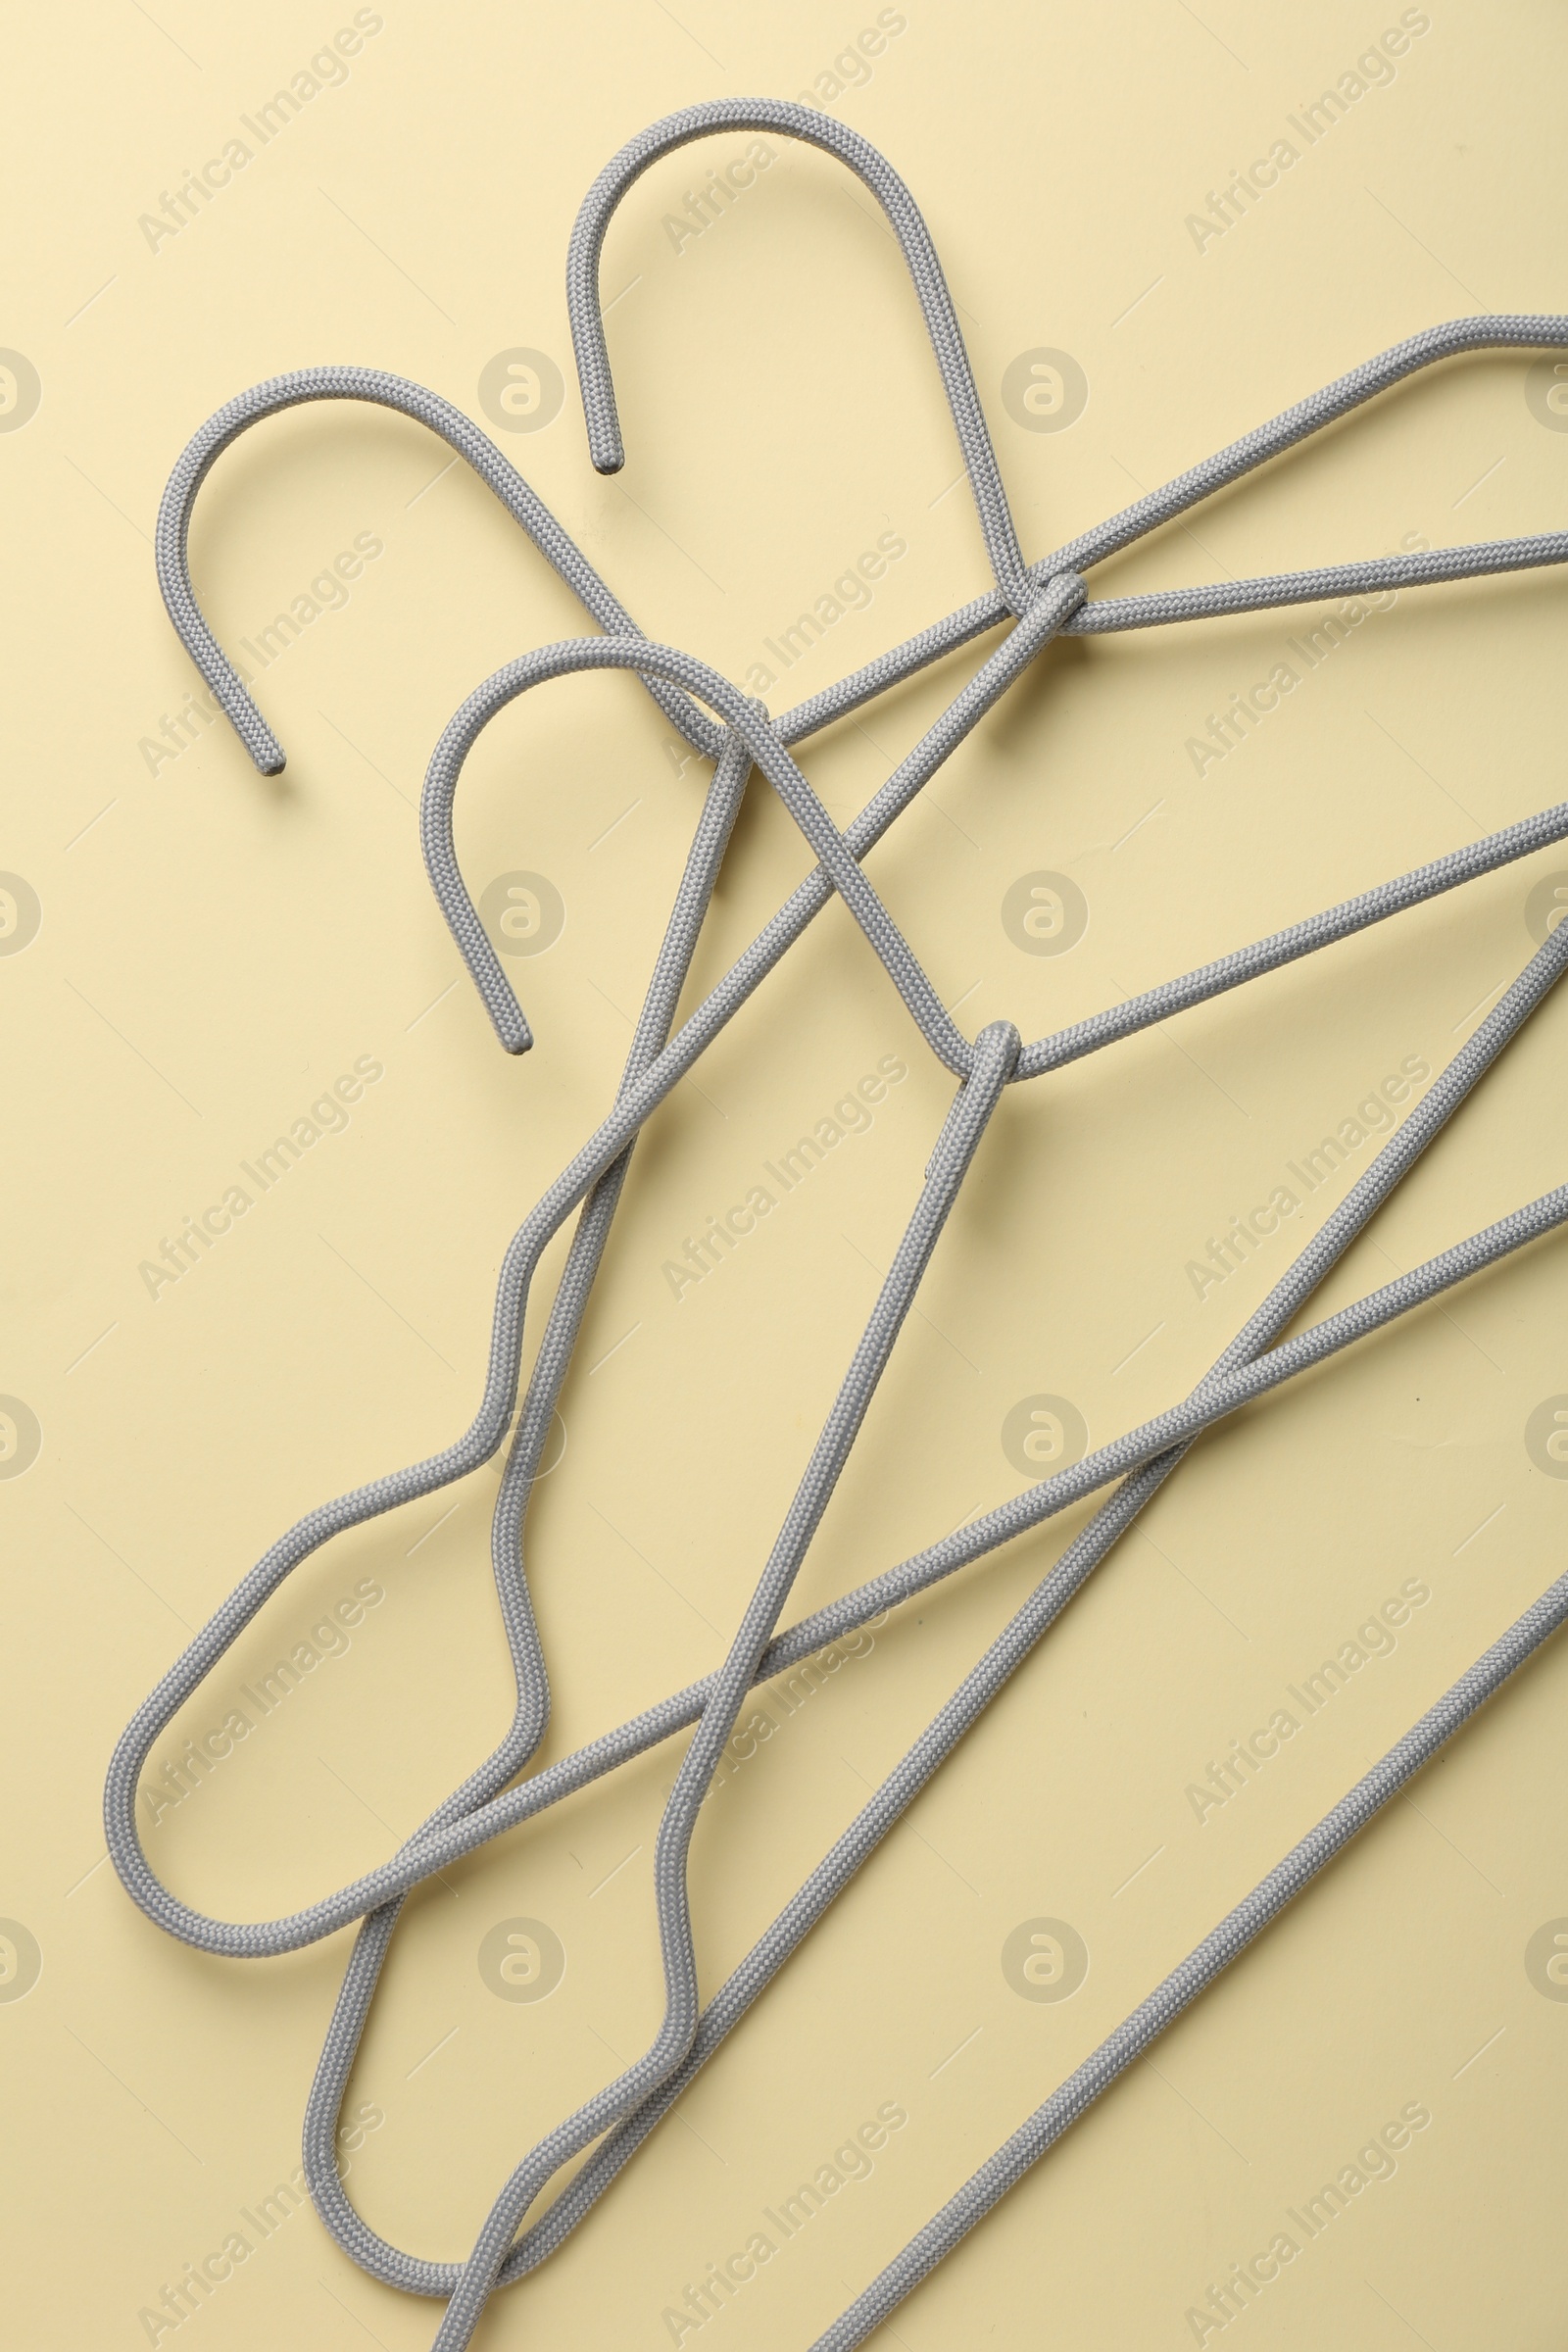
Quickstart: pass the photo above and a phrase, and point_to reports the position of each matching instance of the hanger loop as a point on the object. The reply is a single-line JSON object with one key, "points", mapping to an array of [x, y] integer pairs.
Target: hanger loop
{"points": [[745, 719], [292, 391], [789, 120]]}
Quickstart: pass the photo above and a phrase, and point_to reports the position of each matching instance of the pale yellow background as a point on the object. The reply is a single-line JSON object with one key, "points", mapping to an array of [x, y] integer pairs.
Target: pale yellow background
{"points": [[216, 948]]}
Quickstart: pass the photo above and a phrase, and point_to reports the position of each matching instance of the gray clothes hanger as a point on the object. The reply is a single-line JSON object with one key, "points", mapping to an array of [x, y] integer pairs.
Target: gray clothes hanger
{"points": [[1037, 602]]}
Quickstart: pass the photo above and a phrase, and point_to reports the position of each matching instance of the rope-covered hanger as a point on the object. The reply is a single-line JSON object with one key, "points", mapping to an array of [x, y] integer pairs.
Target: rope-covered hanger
{"points": [[1042, 601]]}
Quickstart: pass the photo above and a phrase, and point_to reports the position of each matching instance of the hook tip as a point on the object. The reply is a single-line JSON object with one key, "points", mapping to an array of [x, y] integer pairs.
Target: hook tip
{"points": [[607, 452]]}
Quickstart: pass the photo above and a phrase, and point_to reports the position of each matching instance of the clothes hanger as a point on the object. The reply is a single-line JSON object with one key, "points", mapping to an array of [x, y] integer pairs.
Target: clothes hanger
{"points": [[1053, 601]]}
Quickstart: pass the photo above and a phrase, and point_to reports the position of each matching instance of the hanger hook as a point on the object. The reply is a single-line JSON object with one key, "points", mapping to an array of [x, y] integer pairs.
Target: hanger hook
{"points": [[742, 718], [605, 444], [303, 384]]}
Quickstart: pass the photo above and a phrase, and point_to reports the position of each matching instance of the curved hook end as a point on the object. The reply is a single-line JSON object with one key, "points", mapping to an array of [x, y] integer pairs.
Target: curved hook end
{"points": [[605, 448], [496, 991], [267, 754]]}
